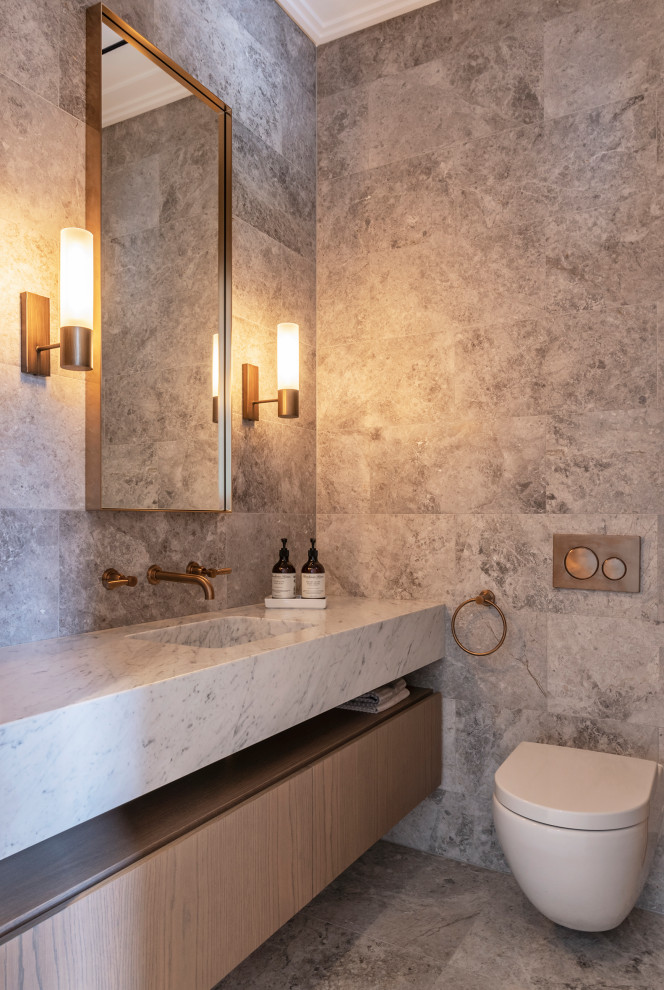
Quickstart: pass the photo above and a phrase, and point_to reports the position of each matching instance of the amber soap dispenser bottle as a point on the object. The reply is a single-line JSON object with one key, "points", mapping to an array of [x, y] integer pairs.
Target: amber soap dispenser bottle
{"points": [[283, 575], [313, 575]]}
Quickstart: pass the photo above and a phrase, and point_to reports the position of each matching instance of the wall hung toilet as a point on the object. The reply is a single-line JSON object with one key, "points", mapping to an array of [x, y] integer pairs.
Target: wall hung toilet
{"points": [[578, 830]]}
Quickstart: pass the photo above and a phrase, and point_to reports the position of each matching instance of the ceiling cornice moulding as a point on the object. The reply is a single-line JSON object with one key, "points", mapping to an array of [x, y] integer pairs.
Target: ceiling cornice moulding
{"points": [[322, 29]]}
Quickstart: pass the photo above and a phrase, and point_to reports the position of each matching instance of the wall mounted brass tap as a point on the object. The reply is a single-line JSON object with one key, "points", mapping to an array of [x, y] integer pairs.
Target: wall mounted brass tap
{"points": [[112, 579], [210, 572], [193, 575]]}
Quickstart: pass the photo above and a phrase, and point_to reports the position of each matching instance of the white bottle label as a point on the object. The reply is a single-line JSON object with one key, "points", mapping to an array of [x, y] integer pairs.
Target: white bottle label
{"points": [[283, 586], [313, 586]]}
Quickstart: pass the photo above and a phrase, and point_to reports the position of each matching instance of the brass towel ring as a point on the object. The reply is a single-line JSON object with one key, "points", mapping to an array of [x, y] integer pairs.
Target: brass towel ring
{"points": [[484, 598]]}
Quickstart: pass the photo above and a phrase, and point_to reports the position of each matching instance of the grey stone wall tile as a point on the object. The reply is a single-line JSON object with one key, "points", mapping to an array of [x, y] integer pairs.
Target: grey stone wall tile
{"points": [[385, 382], [362, 57], [188, 471], [253, 543], [43, 445], [579, 162], [461, 465], [50, 193], [34, 268], [29, 47], [271, 194], [388, 556], [176, 125], [531, 366], [652, 896], [256, 276], [343, 467], [512, 555], [608, 461], [139, 14], [601, 156], [422, 108], [298, 137], [180, 260], [28, 593], [515, 676], [274, 465], [71, 57], [591, 59], [606, 257], [227, 59], [148, 412], [132, 541], [131, 200], [131, 475], [275, 31], [602, 667], [343, 133], [660, 354]]}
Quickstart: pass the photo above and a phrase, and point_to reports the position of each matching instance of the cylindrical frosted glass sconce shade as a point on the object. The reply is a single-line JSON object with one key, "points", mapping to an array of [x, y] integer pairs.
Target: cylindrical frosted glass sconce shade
{"points": [[76, 278], [288, 356], [215, 378]]}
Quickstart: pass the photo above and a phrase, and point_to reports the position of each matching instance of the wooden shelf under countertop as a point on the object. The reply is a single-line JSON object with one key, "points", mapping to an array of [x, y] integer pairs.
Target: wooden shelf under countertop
{"points": [[39, 880]]}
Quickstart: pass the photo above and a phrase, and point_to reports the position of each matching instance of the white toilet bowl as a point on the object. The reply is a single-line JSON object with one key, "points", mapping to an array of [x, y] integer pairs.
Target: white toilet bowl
{"points": [[578, 830]]}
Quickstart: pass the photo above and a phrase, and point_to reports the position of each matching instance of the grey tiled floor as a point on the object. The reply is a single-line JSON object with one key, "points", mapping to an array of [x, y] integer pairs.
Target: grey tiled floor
{"points": [[404, 920]]}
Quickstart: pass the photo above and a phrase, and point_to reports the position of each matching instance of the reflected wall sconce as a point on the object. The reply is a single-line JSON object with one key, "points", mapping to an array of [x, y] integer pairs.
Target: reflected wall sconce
{"points": [[76, 306], [215, 378], [288, 377]]}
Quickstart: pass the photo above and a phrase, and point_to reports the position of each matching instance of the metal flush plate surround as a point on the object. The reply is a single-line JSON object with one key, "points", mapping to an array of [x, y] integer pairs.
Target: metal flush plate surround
{"points": [[597, 562]]}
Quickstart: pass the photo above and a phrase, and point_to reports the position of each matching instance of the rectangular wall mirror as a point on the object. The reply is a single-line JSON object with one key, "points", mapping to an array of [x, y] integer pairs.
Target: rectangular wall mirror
{"points": [[159, 204]]}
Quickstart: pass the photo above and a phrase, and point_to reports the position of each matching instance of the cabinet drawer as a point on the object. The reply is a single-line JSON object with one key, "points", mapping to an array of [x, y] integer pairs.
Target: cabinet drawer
{"points": [[183, 917], [371, 783]]}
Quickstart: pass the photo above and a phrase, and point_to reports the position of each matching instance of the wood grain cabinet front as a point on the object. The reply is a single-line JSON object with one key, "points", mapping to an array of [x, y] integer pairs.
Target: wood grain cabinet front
{"points": [[367, 786], [184, 915]]}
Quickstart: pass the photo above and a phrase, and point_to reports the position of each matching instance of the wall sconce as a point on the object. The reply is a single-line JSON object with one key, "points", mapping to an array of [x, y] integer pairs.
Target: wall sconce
{"points": [[76, 305], [215, 378], [288, 377]]}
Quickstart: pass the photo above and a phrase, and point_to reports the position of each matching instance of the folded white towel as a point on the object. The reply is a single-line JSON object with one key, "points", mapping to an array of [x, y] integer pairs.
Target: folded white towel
{"points": [[380, 699]]}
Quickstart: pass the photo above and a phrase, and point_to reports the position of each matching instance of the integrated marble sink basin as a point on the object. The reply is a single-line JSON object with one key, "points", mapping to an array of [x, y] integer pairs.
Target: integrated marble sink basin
{"points": [[227, 630], [90, 722]]}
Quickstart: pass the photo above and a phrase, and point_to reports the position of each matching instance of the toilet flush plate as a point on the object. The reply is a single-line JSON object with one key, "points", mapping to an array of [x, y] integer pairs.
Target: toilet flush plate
{"points": [[597, 562]]}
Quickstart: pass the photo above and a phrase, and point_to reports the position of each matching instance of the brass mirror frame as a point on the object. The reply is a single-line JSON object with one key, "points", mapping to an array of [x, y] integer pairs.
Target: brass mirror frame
{"points": [[96, 16]]}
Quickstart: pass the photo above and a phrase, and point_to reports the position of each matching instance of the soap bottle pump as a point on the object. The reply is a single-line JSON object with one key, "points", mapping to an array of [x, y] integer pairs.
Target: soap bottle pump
{"points": [[313, 575], [283, 575]]}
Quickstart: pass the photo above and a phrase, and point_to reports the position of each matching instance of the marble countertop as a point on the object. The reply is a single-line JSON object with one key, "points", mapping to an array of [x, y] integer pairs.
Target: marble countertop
{"points": [[89, 722]]}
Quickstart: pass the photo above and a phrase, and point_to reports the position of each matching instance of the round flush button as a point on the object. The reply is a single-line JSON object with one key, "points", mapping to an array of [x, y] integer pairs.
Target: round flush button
{"points": [[581, 563], [614, 568]]}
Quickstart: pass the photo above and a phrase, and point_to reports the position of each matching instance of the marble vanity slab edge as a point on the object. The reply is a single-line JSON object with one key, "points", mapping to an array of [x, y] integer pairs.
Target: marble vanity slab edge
{"points": [[127, 715]]}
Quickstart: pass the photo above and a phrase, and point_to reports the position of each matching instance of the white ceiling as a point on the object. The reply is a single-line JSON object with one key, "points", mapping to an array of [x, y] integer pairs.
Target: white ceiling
{"points": [[324, 20], [131, 83]]}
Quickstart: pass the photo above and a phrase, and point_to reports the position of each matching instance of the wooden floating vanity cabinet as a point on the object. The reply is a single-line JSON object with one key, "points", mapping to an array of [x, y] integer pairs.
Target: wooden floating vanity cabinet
{"points": [[174, 889]]}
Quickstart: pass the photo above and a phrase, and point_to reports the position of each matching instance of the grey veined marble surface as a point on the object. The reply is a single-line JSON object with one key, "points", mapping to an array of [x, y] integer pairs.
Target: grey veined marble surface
{"points": [[90, 722]]}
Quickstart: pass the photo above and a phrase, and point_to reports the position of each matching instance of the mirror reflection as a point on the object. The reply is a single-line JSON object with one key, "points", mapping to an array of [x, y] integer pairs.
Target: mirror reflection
{"points": [[160, 222]]}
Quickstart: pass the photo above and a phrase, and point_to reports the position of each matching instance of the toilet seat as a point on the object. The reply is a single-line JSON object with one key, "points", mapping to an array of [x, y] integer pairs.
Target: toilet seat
{"points": [[574, 788]]}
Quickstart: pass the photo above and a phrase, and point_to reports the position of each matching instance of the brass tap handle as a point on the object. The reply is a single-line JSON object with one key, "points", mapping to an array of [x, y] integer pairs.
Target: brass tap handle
{"points": [[210, 572], [112, 579]]}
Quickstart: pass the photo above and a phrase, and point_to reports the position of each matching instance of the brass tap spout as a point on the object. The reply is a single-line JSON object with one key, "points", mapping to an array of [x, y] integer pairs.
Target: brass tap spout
{"points": [[155, 575]]}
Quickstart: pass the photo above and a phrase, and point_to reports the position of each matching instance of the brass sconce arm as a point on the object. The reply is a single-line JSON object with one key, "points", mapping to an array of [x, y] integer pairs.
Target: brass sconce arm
{"points": [[75, 343], [288, 399], [112, 579]]}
